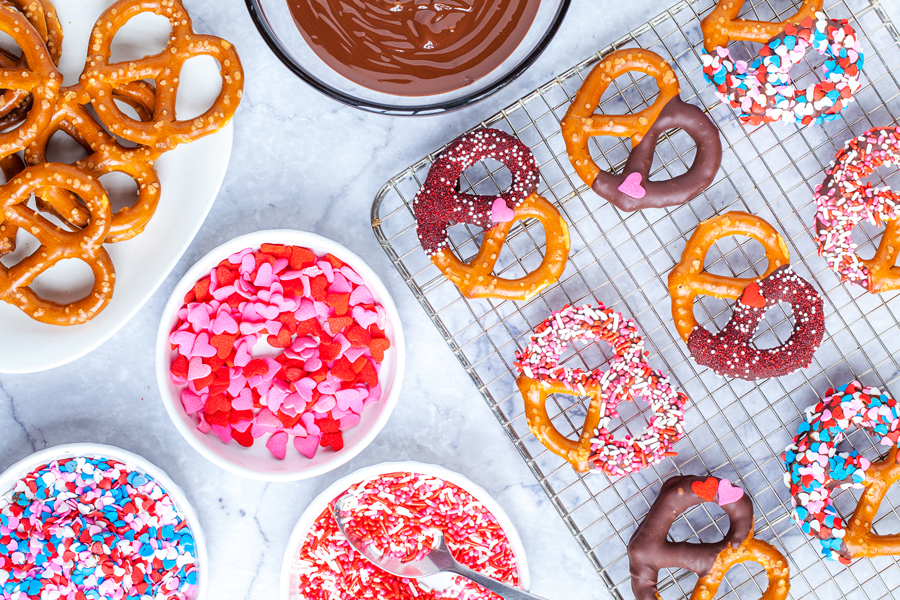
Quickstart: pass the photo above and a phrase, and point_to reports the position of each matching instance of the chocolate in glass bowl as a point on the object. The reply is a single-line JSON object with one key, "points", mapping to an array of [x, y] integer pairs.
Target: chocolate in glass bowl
{"points": [[413, 47], [537, 24]]}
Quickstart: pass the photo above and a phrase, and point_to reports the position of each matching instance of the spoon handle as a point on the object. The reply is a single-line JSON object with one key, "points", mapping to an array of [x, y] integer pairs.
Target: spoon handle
{"points": [[506, 591]]}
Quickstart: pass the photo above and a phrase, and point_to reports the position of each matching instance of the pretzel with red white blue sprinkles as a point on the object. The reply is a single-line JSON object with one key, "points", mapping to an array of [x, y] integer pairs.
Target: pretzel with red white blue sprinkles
{"points": [[815, 468], [763, 89], [845, 198], [541, 374]]}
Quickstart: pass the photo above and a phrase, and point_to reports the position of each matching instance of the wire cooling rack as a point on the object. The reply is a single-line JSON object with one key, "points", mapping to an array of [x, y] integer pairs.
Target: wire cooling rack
{"points": [[734, 429]]}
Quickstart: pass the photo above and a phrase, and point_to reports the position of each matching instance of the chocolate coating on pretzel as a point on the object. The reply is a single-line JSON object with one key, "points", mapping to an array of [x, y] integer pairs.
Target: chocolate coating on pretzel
{"points": [[729, 352], [438, 205], [649, 551], [677, 190]]}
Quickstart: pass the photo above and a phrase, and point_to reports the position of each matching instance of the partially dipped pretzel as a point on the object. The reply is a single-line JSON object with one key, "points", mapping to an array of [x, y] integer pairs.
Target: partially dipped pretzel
{"points": [[438, 205], [649, 551], [631, 189]]}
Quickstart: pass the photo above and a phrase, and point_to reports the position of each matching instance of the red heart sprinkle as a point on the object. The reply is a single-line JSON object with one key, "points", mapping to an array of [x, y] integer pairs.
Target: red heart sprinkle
{"points": [[336, 263], [218, 418], [294, 374], [226, 276], [368, 375], [180, 367], [358, 336], [279, 250], [752, 296], [217, 403], [242, 438], [339, 302], [262, 257], [335, 440], [319, 376], [377, 347], [201, 289], [203, 382], [359, 364], [706, 489], [223, 343], [328, 425], [301, 257], [343, 370], [289, 321], [282, 340], [319, 288], [257, 366], [189, 297], [310, 327], [234, 300], [240, 415], [329, 352], [338, 324], [292, 287], [287, 420]]}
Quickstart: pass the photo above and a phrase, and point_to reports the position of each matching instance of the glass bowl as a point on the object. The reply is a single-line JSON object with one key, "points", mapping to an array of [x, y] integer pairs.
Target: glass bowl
{"points": [[275, 23]]}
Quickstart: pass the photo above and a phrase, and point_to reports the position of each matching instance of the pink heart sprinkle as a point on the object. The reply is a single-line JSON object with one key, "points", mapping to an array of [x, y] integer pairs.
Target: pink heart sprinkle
{"points": [[184, 340], [202, 347], [349, 421], [327, 270], [198, 316], [224, 323], [728, 493], [307, 446], [632, 186], [500, 212], [191, 401], [325, 404], [329, 385], [340, 285], [309, 422], [364, 317], [353, 276], [346, 397], [224, 433], [248, 263], [197, 369], [243, 401], [361, 295], [242, 355], [203, 426], [305, 311], [277, 443]]}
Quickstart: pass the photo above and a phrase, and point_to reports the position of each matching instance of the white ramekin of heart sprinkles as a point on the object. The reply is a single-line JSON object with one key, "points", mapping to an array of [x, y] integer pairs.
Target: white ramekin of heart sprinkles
{"points": [[402, 504], [86, 521]]}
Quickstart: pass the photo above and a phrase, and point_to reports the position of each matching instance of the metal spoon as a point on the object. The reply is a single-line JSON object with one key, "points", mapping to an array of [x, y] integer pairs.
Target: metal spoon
{"points": [[437, 560]]}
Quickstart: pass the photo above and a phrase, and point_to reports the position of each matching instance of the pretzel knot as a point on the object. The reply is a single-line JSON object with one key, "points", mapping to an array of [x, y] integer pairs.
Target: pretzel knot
{"points": [[632, 189], [165, 131], [649, 551], [439, 205], [627, 376], [57, 244], [107, 155], [37, 77], [688, 278], [721, 26]]}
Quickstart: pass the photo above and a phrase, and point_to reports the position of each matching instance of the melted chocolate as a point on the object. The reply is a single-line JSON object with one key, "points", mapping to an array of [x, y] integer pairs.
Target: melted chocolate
{"points": [[649, 551], [413, 47], [680, 189]]}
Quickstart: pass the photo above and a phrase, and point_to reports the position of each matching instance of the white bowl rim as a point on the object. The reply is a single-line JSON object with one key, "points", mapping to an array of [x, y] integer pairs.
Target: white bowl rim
{"points": [[19, 469], [254, 240], [308, 517]]}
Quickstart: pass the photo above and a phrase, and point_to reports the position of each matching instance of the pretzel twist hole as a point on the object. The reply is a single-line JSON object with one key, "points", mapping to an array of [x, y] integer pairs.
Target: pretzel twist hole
{"points": [[722, 26]]}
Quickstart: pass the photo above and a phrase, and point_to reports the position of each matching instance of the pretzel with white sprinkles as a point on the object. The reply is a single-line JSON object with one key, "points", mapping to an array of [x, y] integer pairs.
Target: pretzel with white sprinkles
{"points": [[541, 374]]}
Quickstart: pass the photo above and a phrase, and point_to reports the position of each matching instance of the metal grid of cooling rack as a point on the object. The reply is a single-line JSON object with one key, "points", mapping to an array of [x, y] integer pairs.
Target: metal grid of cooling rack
{"points": [[734, 429]]}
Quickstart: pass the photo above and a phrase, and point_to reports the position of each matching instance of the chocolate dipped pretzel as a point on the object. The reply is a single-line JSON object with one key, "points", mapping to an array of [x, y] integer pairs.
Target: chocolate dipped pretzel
{"points": [[649, 551], [631, 189], [439, 204]]}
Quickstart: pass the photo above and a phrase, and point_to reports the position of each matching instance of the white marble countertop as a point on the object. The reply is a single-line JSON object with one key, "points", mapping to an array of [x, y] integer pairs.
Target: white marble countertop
{"points": [[302, 161]]}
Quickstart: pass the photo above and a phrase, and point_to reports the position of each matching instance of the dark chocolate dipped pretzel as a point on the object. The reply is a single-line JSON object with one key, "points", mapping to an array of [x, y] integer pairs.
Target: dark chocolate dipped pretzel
{"points": [[632, 190], [649, 551]]}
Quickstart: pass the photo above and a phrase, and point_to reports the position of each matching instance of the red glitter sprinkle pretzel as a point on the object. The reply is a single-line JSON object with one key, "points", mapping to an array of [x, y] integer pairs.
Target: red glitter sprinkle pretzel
{"points": [[730, 353], [438, 205], [165, 131], [845, 199], [541, 374], [57, 244]]}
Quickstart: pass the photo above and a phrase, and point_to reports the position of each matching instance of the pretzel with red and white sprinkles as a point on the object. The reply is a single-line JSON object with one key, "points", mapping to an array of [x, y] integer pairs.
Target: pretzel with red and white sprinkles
{"points": [[541, 374], [845, 199]]}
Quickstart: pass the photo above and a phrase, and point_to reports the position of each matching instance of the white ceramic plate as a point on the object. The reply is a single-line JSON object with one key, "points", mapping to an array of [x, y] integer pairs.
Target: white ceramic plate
{"points": [[190, 176], [29, 463], [257, 462], [288, 578]]}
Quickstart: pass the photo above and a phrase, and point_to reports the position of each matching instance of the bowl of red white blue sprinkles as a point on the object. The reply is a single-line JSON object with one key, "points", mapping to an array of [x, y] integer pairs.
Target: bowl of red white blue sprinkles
{"points": [[401, 504], [87, 521], [280, 355]]}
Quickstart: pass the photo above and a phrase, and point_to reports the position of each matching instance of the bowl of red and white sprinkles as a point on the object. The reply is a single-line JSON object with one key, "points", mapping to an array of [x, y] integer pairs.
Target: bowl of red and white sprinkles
{"points": [[401, 505], [280, 355], [85, 521]]}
